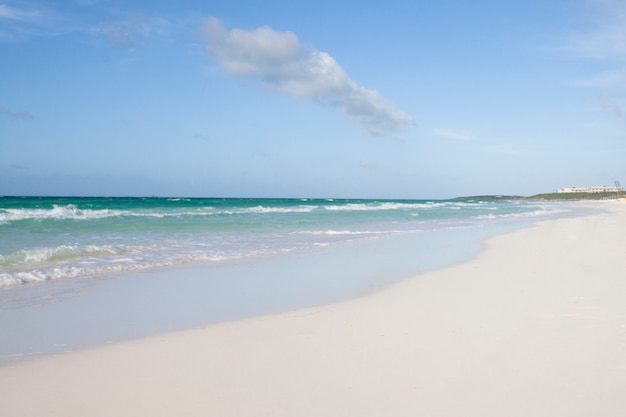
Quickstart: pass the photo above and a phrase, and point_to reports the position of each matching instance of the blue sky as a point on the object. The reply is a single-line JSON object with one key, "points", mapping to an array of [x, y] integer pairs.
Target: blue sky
{"points": [[401, 99]]}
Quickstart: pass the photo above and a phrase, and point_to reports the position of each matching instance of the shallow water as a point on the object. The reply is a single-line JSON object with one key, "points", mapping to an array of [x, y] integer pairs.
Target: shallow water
{"points": [[46, 239], [58, 315]]}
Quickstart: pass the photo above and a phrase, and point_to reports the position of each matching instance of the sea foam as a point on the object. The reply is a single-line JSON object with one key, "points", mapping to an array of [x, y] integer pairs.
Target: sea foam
{"points": [[44, 239]]}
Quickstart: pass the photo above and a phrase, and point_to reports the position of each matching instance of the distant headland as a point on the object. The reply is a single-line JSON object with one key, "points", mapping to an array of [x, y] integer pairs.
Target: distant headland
{"points": [[567, 193]]}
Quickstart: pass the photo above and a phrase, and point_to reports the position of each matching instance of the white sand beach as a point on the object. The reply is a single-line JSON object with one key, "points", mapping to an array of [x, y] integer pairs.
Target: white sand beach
{"points": [[535, 325]]}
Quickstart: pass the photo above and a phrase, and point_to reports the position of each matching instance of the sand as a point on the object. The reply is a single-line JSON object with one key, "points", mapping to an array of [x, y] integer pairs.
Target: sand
{"points": [[535, 325]]}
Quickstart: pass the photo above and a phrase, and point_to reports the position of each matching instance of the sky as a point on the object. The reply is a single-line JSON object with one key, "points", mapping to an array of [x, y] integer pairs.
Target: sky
{"points": [[325, 99]]}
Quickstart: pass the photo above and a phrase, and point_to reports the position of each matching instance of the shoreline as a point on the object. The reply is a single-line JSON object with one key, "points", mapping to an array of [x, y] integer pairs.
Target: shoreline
{"points": [[535, 324], [72, 315]]}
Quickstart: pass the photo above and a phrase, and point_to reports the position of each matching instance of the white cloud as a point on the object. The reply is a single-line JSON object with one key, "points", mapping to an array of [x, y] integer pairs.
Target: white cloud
{"points": [[21, 22], [7, 12], [284, 65], [604, 46], [13, 13], [451, 133], [606, 79], [607, 40]]}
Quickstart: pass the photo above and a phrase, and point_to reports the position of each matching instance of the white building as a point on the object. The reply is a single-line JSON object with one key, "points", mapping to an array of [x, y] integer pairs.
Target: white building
{"points": [[603, 189]]}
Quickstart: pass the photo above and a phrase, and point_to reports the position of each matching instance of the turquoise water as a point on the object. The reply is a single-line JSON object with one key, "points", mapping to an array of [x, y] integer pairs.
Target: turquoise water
{"points": [[81, 272], [51, 238]]}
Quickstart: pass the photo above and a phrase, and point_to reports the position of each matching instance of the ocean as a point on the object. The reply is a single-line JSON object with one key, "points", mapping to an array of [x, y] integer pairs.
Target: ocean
{"points": [[81, 272], [53, 238]]}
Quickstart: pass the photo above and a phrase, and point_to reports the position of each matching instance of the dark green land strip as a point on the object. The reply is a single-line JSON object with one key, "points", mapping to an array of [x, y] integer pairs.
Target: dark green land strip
{"points": [[548, 197]]}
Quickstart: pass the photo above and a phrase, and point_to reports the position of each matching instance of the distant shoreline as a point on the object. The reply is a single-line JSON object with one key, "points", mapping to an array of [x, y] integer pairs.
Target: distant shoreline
{"points": [[549, 197]]}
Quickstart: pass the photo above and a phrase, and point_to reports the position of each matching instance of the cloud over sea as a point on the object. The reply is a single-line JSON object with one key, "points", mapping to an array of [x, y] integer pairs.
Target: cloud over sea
{"points": [[282, 64]]}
